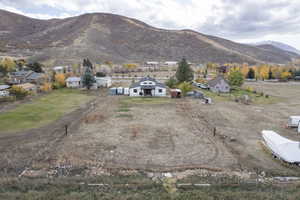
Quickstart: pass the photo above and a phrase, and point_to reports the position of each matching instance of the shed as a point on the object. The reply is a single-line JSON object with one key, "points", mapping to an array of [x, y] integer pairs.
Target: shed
{"points": [[175, 93], [113, 91], [119, 91], [293, 121]]}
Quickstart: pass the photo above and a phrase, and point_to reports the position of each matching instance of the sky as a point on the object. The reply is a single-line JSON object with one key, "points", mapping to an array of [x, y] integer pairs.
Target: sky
{"points": [[244, 21]]}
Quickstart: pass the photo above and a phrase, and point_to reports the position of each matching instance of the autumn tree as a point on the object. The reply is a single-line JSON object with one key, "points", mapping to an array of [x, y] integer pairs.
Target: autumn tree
{"points": [[7, 65], [60, 81], [184, 72], [285, 76]]}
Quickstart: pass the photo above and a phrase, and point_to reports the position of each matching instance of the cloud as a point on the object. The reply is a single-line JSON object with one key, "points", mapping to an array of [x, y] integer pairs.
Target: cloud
{"points": [[252, 19]]}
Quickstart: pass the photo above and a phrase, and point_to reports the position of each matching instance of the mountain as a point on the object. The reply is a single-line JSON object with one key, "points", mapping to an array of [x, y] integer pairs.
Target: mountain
{"points": [[279, 45], [108, 37]]}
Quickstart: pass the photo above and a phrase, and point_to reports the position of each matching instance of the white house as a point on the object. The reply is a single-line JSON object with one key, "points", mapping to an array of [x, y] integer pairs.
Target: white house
{"points": [[4, 90], [171, 63], [147, 86], [73, 82], [103, 81]]}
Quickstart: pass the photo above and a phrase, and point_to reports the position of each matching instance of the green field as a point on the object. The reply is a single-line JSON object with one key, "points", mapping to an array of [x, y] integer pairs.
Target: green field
{"points": [[43, 110]]}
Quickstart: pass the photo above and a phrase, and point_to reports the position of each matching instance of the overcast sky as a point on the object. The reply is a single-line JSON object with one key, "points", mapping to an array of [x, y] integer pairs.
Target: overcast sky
{"points": [[238, 20]]}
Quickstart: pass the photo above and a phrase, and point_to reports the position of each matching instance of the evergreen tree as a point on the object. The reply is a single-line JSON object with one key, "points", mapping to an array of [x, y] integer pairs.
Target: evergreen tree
{"points": [[88, 78], [251, 74], [184, 72], [270, 75], [36, 67]]}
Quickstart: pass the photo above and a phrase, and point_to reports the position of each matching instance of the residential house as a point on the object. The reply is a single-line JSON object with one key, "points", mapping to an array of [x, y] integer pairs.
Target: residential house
{"points": [[62, 69], [103, 81], [147, 86], [28, 87], [4, 90], [26, 76], [73, 82], [219, 85]]}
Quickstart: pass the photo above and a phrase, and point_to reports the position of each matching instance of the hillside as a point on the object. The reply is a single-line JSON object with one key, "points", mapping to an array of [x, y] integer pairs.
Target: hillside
{"points": [[278, 45], [102, 37]]}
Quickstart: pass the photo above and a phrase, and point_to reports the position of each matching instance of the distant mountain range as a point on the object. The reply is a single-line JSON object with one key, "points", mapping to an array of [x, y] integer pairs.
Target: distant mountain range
{"points": [[107, 37], [279, 45]]}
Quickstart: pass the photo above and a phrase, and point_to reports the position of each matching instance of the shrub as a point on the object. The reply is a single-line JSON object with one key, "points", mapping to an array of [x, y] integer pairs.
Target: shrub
{"points": [[185, 87], [171, 82], [18, 92], [46, 87]]}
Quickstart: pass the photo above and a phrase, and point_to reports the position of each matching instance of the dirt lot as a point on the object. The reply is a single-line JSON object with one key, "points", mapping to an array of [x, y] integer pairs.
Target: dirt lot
{"points": [[158, 134]]}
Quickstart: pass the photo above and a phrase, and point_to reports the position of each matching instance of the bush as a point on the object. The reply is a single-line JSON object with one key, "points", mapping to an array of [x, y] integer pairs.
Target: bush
{"points": [[171, 82], [18, 92], [236, 78], [46, 87], [100, 74], [185, 87]]}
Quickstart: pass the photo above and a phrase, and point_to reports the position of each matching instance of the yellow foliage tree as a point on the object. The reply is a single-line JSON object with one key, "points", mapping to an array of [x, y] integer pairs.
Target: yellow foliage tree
{"points": [[264, 72], [285, 75], [130, 66], [245, 70], [8, 64], [60, 80]]}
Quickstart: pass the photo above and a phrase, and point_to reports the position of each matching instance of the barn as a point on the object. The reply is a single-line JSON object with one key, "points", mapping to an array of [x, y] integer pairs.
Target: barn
{"points": [[147, 86]]}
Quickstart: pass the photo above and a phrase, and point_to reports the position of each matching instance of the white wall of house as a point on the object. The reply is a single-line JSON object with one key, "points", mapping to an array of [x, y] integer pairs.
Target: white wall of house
{"points": [[222, 86], [73, 84], [160, 92], [135, 92], [103, 81], [4, 93]]}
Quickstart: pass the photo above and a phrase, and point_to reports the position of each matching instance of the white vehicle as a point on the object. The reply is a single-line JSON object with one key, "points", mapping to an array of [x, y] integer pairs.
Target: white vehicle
{"points": [[293, 121]]}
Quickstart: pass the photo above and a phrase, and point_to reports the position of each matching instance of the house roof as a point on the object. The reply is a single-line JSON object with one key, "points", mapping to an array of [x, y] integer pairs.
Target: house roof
{"points": [[22, 73], [26, 85], [34, 76], [147, 78], [73, 79], [4, 87], [216, 80]]}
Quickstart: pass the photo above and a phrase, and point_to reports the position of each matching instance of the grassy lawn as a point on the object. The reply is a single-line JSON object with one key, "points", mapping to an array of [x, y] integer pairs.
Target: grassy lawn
{"points": [[256, 98], [42, 111]]}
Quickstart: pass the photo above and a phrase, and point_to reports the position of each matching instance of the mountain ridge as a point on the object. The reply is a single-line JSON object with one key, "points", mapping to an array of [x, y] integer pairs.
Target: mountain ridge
{"points": [[110, 37]]}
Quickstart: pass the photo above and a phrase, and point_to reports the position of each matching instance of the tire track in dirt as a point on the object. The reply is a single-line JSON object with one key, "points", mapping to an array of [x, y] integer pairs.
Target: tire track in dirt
{"points": [[201, 127]]}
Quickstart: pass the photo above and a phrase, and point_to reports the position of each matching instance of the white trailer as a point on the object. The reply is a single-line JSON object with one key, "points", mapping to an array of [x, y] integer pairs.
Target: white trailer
{"points": [[293, 121]]}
